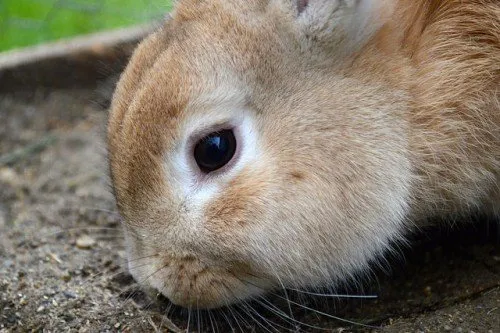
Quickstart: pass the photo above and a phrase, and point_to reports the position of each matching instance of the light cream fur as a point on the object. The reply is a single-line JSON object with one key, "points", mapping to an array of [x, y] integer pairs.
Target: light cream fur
{"points": [[356, 121]]}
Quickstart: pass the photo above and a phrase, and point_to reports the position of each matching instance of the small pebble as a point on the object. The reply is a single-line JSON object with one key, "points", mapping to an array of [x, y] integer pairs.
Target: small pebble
{"points": [[85, 242], [117, 325], [55, 258], [40, 308], [69, 294], [9, 176]]}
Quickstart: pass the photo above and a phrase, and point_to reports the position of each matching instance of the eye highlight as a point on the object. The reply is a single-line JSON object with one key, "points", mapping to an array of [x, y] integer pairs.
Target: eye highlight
{"points": [[215, 150]]}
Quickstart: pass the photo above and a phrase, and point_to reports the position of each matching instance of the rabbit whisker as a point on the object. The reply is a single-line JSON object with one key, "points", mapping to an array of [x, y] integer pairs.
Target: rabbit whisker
{"points": [[333, 295], [329, 315]]}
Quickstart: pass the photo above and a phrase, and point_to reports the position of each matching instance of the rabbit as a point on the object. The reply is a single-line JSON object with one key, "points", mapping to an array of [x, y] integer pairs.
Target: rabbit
{"points": [[264, 144]]}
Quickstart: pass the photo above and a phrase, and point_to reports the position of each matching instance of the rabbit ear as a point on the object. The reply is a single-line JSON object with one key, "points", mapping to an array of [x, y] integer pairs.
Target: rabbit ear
{"points": [[341, 21]]}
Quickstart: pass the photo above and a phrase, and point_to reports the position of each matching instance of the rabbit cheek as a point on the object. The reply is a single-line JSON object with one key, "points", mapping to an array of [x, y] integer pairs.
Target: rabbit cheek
{"points": [[237, 206], [213, 269]]}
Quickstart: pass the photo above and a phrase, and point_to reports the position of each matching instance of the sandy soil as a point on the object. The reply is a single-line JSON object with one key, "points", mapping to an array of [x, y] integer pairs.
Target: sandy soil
{"points": [[61, 250]]}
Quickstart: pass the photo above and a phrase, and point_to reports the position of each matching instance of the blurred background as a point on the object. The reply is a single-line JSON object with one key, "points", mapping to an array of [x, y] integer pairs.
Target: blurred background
{"points": [[29, 22]]}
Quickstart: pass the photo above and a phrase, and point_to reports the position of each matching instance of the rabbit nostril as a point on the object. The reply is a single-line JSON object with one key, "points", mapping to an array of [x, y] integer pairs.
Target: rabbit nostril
{"points": [[215, 150]]}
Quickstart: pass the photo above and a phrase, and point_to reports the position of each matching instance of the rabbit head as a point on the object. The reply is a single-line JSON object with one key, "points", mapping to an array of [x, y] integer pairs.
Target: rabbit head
{"points": [[253, 145]]}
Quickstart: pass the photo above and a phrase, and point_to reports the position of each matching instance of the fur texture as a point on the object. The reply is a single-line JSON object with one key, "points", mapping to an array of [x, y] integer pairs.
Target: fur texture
{"points": [[356, 121]]}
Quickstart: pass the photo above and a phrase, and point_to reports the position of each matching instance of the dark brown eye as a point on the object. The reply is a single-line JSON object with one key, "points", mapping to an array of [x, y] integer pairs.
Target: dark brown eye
{"points": [[215, 150]]}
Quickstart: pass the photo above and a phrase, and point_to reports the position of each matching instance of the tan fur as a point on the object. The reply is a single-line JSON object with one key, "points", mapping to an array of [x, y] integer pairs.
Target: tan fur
{"points": [[356, 142]]}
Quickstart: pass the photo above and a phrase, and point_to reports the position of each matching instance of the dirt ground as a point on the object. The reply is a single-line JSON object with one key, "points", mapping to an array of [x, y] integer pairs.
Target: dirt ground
{"points": [[62, 255]]}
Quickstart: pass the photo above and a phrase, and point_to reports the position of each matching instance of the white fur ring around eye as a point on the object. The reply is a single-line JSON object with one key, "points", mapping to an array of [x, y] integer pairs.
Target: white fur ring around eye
{"points": [[212, 157]]}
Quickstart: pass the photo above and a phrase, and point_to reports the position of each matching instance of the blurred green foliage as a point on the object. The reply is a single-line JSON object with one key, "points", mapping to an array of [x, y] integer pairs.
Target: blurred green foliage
{"points": [[28, 22]]}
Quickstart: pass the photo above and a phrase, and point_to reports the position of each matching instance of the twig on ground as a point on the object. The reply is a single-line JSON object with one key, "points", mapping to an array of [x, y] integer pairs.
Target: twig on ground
{"points": [[28, 150]]}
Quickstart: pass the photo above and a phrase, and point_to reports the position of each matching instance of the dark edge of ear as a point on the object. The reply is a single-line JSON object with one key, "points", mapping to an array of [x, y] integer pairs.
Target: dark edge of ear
{"points": [[301, 5]]}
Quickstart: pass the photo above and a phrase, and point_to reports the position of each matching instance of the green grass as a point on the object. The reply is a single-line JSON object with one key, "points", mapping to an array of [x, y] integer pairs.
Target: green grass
{"points": [[29, 22]]}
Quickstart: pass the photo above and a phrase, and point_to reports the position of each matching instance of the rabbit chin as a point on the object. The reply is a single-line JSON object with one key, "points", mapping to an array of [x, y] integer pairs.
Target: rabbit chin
{"points": [[188, 282]]}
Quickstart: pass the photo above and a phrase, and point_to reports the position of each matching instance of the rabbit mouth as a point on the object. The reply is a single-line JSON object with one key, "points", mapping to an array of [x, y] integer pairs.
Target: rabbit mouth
{"points": [[190, 283]]}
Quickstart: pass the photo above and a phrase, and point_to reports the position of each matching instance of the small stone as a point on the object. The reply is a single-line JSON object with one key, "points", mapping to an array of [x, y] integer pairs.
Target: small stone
{"points": [[49, 293], [69, 294], [9, 176], [40, 308], [85, 242], [55, 258], [117, 325]]}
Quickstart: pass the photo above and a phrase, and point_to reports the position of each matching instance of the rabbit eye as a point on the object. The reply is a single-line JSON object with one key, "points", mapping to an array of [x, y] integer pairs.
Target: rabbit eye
{"points": [[215, 150]]}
